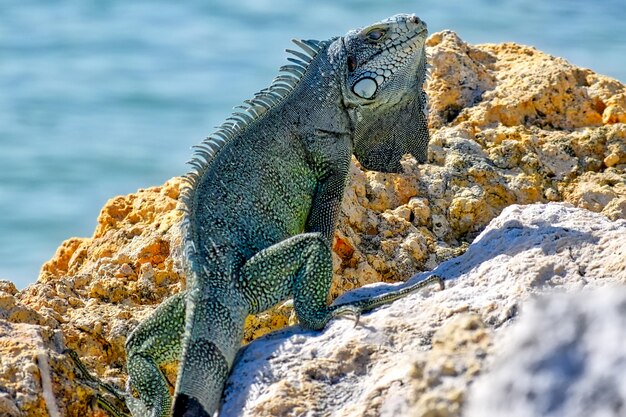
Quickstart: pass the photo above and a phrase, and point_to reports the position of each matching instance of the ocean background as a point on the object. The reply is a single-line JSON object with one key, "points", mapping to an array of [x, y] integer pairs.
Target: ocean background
{"points": [[100, 98]]}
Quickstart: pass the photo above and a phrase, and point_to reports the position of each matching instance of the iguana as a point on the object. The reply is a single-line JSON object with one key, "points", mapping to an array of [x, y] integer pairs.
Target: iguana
{"points": [[262, 203]]}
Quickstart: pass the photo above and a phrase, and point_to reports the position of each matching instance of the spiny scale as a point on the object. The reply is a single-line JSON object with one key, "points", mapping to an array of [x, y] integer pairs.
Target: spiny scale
{"points": [[297, 70], [303, 57], [310, 46]]}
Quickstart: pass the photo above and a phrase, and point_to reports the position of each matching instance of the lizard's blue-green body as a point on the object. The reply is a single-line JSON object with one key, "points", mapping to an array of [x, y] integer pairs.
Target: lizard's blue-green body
{"points": [[263, 200]]}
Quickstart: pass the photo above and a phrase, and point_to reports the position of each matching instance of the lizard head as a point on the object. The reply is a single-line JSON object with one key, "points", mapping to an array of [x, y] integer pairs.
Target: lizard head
{"points": [[385, 68]]}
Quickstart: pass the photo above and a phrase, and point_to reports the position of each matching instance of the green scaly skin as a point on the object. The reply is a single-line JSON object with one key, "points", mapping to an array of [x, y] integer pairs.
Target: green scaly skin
{"points": [[263, 201]]}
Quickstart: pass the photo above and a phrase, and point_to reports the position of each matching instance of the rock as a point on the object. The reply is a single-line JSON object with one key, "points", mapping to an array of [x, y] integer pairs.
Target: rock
{"points": [[516, 85], [564, 357], [36, 378], [419, 355], [509, 125], [95, 290], [601, 192]]}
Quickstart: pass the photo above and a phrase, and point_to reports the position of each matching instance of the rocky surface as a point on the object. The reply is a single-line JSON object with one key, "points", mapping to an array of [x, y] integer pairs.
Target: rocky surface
{"points": [[418, 356], [509, 125]]}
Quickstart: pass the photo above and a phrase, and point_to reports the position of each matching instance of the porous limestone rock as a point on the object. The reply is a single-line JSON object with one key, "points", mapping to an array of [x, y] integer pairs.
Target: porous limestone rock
{"points": [[418, 356], [96, 290], [36, 379], [509, 125]]}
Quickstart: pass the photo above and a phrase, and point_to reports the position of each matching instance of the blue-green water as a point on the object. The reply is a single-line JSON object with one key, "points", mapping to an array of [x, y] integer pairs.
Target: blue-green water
{"points": [[100, 98]]}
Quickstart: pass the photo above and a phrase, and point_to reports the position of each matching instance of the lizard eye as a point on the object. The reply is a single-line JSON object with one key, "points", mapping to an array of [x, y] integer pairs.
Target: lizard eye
{"points": [[351, 63], [365, 87], [375, 34]]}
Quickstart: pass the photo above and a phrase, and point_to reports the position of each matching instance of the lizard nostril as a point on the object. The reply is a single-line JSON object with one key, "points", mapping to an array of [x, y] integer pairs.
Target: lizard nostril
{"points": [[414, 19]]}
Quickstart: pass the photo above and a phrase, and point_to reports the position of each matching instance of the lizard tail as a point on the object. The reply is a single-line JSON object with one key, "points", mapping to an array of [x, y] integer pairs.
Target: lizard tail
{"points": [[201, 381], [185, 406], [213, 333]]}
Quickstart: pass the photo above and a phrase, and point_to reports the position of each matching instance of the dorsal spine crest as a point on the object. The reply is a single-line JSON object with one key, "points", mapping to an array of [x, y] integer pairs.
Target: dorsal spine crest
{"points": [[251, 110]]}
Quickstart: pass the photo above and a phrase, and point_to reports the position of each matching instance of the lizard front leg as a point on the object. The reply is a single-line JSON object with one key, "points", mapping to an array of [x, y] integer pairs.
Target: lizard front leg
{"points": [[268, 277], [300, 266]]}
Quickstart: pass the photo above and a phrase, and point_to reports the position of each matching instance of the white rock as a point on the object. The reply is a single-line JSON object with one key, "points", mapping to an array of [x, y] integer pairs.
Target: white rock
{"points": [[565, 357]]}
